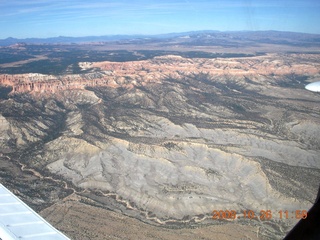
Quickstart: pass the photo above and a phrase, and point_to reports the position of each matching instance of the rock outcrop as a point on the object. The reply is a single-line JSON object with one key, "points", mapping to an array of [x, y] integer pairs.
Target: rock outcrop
{"points": [[171, 139], [129, 74]]}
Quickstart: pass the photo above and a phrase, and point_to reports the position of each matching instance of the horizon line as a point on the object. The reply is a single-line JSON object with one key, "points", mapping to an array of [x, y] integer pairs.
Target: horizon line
{"points": [[154, 35]]}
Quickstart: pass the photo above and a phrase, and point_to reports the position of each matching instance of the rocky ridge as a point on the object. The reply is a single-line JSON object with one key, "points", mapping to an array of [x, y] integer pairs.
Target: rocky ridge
{"points": [[128, 74], [171, 139]]}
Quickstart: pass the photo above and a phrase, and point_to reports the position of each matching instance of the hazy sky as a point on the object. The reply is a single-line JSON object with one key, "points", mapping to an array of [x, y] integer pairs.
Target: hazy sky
{"points": [[50, 18]]}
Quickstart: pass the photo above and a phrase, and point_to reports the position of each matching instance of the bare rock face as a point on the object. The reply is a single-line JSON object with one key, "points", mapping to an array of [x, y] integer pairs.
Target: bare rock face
{"points": [[4, 128], [188, 180], [129, 74], [173, 139]]}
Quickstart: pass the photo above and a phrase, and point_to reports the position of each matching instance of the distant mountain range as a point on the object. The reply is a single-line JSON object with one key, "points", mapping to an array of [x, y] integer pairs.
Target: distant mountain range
{"points": [[106, 38], [276, 37]]}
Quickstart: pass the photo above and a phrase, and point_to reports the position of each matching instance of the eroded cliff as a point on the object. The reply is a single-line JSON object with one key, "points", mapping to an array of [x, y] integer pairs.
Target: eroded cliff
{"points": [[129, 74], [171, 139]]}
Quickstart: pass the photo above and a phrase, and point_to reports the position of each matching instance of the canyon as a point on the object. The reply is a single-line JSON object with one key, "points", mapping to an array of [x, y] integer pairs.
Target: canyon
{"points": [[158, 144], [128, 74]]}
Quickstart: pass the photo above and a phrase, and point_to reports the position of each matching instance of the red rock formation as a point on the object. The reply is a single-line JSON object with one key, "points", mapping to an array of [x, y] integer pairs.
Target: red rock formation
{"points": [[128, 74]]}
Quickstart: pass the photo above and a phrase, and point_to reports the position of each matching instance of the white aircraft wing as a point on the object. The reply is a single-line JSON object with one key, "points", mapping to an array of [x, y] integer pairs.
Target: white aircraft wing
{"points": [[313, 87], [18, 221]]}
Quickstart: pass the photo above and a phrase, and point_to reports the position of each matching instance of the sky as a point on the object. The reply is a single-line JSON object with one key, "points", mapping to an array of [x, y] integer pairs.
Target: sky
{"points": [[76, 18]]}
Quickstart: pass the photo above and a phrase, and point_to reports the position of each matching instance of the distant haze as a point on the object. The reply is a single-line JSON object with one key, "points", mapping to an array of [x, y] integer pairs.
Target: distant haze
{"points": [[76, 18], [194, 38]]}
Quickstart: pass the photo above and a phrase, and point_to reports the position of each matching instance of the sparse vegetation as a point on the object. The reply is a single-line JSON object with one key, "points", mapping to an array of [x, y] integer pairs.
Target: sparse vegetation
{"points": [[195, 137]]}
